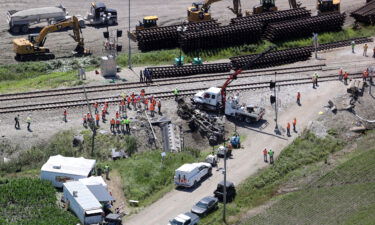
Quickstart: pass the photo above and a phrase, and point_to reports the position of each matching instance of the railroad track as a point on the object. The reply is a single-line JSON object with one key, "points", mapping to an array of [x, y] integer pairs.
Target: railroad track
{"points": [[161, 95], [159, 82]]}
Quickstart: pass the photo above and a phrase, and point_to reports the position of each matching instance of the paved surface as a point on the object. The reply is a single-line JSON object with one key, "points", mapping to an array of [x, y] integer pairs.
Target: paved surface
{"points": [[245, 161], [169, 12]]}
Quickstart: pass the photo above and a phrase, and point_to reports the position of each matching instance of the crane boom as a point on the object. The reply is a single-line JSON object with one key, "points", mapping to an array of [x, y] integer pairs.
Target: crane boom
{"points": [[237, 72], [206, 5]]}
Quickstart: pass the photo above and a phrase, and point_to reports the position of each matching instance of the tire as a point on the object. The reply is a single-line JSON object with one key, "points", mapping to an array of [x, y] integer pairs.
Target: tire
{"points": [[248, 120], [200, 106], [15, 30], [24, 29], [195, 184]]}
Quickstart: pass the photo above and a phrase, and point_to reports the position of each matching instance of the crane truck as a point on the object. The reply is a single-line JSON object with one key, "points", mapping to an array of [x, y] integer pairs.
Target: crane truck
{"points": [[216, 98], [32, 49]]}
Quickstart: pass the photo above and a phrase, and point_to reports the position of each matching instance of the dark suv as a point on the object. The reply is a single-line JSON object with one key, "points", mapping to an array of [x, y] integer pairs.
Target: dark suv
{"points": [[230, 190]]}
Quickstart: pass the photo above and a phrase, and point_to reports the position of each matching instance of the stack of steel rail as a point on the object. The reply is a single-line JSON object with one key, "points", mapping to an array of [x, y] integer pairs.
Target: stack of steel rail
{"points": [[304, 27], [219, 37], [167, 37], [180, 71], [365, 14]]}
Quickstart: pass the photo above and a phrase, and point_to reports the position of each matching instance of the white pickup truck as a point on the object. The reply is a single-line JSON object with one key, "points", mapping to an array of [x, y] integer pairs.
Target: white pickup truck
{"points": [[185, 219], [211, 99], [190, 174]]}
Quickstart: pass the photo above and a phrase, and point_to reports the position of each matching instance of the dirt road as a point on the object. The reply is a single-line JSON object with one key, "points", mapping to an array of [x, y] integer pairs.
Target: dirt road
{"points": [[245, 162], [169, 13]]}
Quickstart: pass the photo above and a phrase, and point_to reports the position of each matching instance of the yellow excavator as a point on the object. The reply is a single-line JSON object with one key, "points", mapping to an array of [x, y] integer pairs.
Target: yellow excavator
{"points": [[198, 11], [148, 22], [32, 49]]}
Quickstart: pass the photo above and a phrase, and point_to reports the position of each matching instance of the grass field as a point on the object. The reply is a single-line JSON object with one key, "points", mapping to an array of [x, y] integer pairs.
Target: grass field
{"points": [[345, 195], [146, 178], [259, 188], [31, 201]]}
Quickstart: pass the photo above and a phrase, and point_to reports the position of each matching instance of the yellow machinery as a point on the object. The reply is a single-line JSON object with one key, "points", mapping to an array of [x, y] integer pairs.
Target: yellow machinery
{"points": [[327, 6], [33, 47], [265, 6], [148, 22], [198, 11]]}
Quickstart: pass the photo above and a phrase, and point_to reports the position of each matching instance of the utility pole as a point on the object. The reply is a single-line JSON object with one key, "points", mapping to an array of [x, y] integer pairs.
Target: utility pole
{"points": [[91, 123], [130, 51], [315, 41], [225, 183], [275, 92]]}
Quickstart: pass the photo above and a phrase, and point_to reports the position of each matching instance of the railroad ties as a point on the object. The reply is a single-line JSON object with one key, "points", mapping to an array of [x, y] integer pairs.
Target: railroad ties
{"points": [[365, 14], [304, 27]]}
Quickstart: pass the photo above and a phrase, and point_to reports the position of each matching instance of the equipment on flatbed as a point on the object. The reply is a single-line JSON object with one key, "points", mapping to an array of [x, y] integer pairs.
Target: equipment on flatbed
{"points": [[33, 47], [101, 15], [327, 6], [265, 6], [20, 21]]}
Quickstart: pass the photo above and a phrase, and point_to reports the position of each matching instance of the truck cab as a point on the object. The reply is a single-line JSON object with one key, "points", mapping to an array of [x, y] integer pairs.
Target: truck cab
{"points": [[100, 14], [209, 99]]}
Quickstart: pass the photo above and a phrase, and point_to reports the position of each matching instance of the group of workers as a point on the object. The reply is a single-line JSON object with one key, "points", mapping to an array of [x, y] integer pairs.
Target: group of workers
{"points": [[145, 76], [17, 125], [344, 76]]}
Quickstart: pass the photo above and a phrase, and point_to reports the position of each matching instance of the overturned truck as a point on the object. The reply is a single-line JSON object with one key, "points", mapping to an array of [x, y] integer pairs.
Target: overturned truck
{"points": [[209, 126]]}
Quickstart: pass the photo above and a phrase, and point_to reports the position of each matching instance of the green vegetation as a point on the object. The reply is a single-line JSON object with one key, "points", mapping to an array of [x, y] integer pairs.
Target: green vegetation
{"points": [[31, 201], [344, 195], [61, 143], [146, 177], [167, 56], [259, 188]]}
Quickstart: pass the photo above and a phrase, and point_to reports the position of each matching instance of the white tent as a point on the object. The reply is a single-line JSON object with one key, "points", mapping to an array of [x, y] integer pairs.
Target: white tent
{"points": [[59, 169]]}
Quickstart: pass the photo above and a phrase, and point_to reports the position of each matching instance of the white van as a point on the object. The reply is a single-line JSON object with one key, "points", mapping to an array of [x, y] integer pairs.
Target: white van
{"points": [[189, 175]]}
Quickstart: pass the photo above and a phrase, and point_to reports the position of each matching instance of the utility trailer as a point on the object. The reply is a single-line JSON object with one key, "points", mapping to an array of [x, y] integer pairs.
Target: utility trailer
{"points": [[20, 21]]}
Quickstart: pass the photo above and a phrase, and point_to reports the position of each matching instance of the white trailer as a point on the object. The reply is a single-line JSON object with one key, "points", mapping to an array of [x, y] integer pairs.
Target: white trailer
{"points": [[190, 174], [20, 21], [83, 203]]}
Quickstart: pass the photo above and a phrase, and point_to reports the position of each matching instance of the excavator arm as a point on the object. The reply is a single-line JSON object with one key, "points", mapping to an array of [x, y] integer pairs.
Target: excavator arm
{"points": [[236, 8], [206, 5], [72, 22]]}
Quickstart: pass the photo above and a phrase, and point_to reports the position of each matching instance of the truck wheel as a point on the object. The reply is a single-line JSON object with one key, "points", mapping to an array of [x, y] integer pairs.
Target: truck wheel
{"points": [[15, 29], [195, 184], [25, 29], [248, 120]]}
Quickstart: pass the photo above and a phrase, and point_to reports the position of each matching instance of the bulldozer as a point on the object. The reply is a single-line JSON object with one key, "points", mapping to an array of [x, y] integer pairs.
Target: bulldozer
{"points": [[148, 22], [265, 6], [199, 11], [327, 6], [33, 49]]}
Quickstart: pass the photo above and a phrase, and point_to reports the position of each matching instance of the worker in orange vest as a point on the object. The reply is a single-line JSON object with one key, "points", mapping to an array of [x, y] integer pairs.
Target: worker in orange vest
{"points": [[117, 115], [159, 107], [294, 125], [299, 98], [112, 124], [152, 109], [103, 115], [134, 103], [96, 105], [265, 152], [129, 101], [65, 116], [365, 75], [346, 77], [341, 74], [97, 118], [122, 105], [106, 106], [118, 124], [133, 96], [288, 129]]}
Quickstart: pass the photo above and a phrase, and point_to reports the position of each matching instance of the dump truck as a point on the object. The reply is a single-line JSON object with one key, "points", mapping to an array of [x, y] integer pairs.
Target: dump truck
{"points": [[101, 15], [20, 21]]}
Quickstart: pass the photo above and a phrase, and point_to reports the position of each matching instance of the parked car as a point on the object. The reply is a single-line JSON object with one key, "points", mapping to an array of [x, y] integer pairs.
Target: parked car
{"points": [[205, 206], [190, 174], [185, 219], [222, 151], [230, 191]]}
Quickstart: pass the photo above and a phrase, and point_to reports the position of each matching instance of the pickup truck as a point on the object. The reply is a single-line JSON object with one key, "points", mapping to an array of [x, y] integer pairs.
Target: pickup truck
{"points": [[185, 219]]}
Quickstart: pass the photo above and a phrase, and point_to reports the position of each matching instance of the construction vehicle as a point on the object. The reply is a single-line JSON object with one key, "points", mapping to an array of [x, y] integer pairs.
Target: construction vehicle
{"points": [[265, 6], [20, 21], [327, 6], [101, 15], [199, 11], [293, 4], [148, 22], [33, 47]]}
